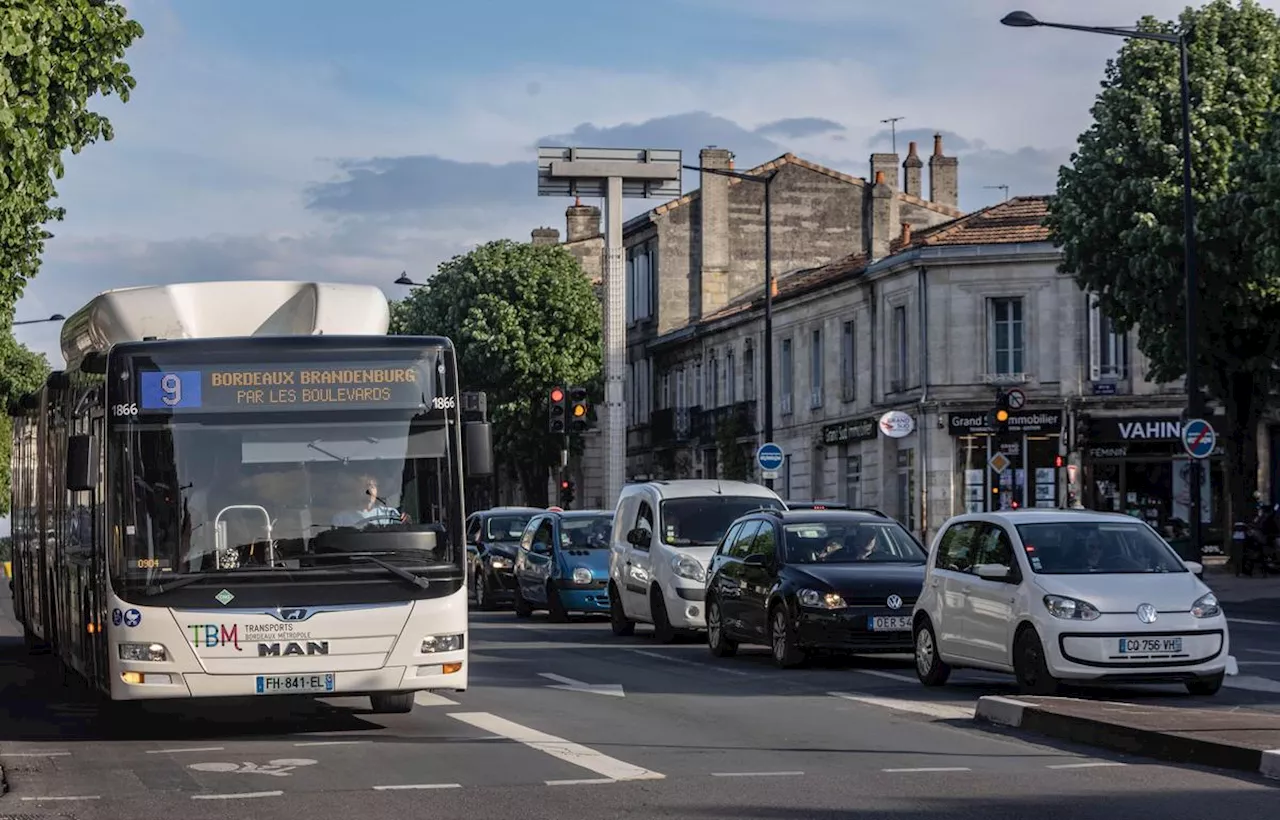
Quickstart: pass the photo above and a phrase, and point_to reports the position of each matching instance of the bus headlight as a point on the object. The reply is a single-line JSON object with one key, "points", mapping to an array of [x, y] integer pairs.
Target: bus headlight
{"points": [[143, 652], [441, 643]]}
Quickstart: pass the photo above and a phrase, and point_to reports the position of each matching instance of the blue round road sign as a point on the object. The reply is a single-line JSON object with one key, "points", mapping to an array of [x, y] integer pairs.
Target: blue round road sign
{"points": [[1199, 438], [769, 456]]}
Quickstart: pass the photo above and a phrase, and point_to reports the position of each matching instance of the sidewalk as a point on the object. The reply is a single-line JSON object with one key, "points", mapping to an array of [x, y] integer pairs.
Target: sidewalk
{"points": [[1255, 597], [1238, 740]]}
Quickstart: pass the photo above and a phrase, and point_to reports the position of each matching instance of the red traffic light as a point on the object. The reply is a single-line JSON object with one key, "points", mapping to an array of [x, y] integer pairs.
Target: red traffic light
{"points": [[557, 395], [1057, 461], [564, 485]]}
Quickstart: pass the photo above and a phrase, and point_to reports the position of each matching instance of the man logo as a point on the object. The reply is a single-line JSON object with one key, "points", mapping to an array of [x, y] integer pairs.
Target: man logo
{"points": [[293, 614], [275, 650]]}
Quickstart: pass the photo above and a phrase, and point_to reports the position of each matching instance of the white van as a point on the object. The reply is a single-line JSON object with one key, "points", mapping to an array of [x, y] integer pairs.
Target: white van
{"points": [[661, 579]]}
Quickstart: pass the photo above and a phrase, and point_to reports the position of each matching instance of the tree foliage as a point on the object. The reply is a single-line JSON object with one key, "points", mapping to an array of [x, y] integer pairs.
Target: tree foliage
{"points": [[523, 318], [21, 372], [54, 57], [1118, 213]]}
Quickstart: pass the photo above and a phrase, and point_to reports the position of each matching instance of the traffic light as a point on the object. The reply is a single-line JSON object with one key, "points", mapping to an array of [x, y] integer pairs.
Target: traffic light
{"points": [[566, 493], [1000, 415], [557, 410], [579, 409]]}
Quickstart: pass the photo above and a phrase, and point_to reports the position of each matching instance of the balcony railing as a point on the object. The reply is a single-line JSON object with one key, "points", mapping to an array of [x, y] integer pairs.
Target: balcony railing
{"points": [[670, 426]]}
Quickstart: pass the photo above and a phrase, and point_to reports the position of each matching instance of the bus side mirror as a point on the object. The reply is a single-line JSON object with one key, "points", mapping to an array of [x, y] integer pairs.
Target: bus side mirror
{"points": [[477, 444], [82, 463]]}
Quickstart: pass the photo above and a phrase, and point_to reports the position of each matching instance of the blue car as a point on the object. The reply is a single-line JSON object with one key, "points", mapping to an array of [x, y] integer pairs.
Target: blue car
{"points": [[563, 564]]}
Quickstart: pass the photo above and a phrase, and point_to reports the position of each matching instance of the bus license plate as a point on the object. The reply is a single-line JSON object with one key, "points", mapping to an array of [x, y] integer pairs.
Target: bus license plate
{"points": [[890, 623], [295, 684]]}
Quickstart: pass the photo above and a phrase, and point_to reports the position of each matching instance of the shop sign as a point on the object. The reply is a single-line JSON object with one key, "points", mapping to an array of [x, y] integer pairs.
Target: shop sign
{"points": [[1020, 421], [897, 424], [850, 432], [1137, 428]]}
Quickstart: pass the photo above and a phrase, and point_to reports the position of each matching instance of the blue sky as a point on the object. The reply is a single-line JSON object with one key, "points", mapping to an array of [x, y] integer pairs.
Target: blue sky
{"points": [[350, 141]]}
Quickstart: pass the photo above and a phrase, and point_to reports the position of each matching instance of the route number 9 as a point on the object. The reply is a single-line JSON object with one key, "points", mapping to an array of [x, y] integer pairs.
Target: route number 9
{"points": [[171, 389]]}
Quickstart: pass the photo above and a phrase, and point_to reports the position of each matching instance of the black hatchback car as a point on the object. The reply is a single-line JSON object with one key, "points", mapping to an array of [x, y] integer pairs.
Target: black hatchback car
{"points": [[806, 580], [493, 538]]}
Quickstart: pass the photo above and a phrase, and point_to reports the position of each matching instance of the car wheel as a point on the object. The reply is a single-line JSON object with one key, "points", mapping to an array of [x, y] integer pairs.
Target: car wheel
{"points": [[618, 621], [556, 613], [786, 654], [663, 631], [720, 645], [483, 601], [522, 607], [1030, 666], [1206, 686], [930, 668]]}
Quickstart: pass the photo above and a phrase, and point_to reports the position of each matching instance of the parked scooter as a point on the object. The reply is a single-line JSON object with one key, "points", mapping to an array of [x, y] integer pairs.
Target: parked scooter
{"points": [[1259, 542]]}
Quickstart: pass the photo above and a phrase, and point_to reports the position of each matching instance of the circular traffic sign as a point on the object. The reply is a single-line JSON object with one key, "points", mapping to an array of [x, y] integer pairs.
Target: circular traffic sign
{"points": [[769, 456], [1017, 399], [1199, 438]]}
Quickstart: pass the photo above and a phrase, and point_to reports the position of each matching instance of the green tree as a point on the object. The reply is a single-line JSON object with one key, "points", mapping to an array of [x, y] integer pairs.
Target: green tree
{"points": [[523, 318], [735, 464], [21, 371], [1118, 211], [54, 57]]}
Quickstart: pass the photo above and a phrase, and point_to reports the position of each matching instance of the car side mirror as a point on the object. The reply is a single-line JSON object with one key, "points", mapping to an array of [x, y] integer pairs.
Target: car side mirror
{"points": [[993, 572], [639, 537], [755, 560], [1196, 567], [540, 548]]}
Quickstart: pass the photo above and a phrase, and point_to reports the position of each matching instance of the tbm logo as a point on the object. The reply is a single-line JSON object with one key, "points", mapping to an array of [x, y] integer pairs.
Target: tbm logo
{"points": [[208, 635], [313, 648]]}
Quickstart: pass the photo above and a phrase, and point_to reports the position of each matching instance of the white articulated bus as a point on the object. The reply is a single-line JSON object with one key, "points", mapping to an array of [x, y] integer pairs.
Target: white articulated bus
{"points": [[246, 488]]}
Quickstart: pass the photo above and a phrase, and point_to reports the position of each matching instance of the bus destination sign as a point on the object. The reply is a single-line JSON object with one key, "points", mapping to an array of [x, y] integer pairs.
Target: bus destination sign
{"points": [[346, 385]]}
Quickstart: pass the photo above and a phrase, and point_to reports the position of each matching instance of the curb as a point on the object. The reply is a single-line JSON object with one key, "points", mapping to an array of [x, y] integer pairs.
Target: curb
{"points": [[1016, 714], [4, 781]]}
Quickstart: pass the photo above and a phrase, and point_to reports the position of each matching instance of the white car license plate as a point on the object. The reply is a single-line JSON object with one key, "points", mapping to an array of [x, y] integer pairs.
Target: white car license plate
{"points": [[295, 684], [1150, 646], [889, 623]]}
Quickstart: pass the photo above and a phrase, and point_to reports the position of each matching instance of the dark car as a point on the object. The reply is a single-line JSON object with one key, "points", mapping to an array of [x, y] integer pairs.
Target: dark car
{"points": [[493, 538], [563, 564], [805, 580]]}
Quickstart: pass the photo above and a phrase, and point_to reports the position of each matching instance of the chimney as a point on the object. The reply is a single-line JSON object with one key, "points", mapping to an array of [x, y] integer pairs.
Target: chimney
{"points": [[884, 217], [944, 183], [546, 236], [712, 289], [906, 234], [911, 172], [581, 221], [886, 164]]}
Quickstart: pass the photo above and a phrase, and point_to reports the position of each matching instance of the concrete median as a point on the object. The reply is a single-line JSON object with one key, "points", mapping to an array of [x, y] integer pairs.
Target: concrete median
{"points": [[1225, 739]]}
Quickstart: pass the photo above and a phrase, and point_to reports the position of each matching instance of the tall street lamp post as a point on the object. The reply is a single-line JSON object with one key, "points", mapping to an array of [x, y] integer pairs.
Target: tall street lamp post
{"points": [[767, 181], [57, 317], [1195, 401]]}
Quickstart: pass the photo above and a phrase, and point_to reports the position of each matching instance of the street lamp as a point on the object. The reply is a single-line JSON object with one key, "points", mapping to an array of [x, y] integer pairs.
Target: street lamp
{"points": [[767, 181], [406, 281], [1195, 404], [57, 317]]}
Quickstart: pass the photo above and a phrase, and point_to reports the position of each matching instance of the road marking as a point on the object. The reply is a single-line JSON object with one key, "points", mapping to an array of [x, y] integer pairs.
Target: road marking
{"points": [[1252, 683], [1260, 663], [418, 786], [432, 699], [1093, 764], [687, 662], [180, 751], [36, 754], [332, 742], [942, 711], [591, 781], [80, 797], [1262, 651], [889, 675], [1252, 622], [571, 685], [931, 769], [756, 774], [235, 796], [557, 747]]}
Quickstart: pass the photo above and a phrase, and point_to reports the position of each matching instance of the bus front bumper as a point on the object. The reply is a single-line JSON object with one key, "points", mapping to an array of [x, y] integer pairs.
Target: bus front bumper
{"points": [[447, 675]]}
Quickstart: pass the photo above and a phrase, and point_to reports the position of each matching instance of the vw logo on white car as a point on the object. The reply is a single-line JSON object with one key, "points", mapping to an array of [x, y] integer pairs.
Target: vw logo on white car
{"points": [[1147, 613], [893, 602]]}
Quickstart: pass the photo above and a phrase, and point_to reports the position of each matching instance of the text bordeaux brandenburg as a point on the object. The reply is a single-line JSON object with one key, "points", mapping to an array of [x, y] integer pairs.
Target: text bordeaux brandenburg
{"points": [[314, 386]]}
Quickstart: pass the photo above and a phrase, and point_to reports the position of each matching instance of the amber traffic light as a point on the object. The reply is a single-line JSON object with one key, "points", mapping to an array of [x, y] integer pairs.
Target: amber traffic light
{"points": [[580, 409]]}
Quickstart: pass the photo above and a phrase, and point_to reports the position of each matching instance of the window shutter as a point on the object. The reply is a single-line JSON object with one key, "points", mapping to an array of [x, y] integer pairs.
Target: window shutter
{"points": [[1094, 321]]}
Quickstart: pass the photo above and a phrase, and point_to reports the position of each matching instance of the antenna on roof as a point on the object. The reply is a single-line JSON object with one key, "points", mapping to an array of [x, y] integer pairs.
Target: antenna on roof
{"points": [[1004, 188], [893, 130]]}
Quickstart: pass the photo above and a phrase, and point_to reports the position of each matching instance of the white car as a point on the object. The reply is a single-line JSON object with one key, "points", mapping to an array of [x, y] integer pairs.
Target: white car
{"points": [[664, 533], [1066, 595]]}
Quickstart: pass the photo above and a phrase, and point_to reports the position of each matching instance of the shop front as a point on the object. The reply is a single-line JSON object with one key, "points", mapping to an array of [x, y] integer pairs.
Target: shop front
{"points": [[849, 437], [1136, 465], [1020, 468]]}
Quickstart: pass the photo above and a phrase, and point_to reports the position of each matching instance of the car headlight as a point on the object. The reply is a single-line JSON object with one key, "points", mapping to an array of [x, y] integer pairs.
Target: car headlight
{"points": [[441, 643], [581, 575], [143, 652], [1070, 609], [820, 600], [1206, 606], [500, 563], [686, 566]]}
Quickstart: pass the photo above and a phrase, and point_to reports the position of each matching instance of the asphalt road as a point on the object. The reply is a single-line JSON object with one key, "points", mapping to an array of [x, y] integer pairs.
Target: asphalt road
{"points": [[666, 731]]}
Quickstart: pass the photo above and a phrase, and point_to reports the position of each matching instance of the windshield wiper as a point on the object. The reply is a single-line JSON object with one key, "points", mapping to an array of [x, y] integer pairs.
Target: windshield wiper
{"points": [[371, 557], [160, 589]]}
